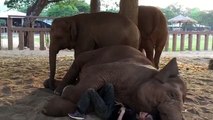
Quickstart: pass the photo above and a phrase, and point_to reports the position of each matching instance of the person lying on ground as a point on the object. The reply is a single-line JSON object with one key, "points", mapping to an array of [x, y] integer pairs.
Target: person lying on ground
{"points": [[105, 106]]}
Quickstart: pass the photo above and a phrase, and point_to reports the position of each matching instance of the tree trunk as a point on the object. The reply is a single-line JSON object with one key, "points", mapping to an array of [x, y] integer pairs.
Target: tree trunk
{"points": [[33, 10], [129, 8], [95, 6]]}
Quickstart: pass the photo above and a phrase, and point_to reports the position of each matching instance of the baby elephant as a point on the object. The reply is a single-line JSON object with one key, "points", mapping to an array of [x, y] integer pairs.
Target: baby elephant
{"points": [[136, 82], [86, 32], [154, 33]]}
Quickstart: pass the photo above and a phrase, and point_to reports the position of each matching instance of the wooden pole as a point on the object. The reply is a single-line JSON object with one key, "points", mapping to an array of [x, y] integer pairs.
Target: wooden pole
{"points": [[174, 42], [190, 42], [206, 42], [167, 45], [21, 40], [31, 40], [198, 42], [182, 42], [42, 47], [0, 37], [10, 33]]}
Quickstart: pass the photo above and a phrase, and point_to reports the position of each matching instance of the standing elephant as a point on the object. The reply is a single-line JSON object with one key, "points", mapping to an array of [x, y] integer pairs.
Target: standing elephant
{"points": [[86, 32], [154, 33], [137, 83]]}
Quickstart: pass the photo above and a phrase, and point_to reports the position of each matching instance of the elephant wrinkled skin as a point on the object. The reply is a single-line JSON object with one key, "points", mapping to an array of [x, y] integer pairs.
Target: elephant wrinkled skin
{"points": [[154, 33], [137, 83], [86, 32]]}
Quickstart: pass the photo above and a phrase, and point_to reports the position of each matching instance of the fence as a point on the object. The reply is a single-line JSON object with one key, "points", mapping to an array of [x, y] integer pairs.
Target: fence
{"points": [[11, 32], [192, 41], [178, 40]]}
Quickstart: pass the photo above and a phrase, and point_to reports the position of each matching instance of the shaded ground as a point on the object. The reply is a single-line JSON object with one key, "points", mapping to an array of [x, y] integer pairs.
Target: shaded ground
{"points": [[22, 73]]}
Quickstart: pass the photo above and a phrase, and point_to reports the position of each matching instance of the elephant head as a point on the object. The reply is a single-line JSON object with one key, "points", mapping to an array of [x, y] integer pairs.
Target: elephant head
{"points": [[62, 36], [167, 91]]}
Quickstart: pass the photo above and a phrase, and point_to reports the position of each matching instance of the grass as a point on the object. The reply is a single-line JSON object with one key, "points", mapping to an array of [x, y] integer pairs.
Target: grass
{"points": [[194, 43]]}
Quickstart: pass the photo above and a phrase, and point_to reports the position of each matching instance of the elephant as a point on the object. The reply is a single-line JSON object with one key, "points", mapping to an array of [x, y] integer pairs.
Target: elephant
{"points": [[136, 81], [86, 32], [153, 30]]}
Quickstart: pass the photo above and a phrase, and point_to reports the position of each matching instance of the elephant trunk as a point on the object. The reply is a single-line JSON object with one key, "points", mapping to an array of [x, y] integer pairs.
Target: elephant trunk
{"points": [[53, 51]]}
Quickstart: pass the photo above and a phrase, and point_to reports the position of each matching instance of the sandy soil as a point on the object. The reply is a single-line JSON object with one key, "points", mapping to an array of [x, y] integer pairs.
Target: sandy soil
{"points": [[22, 73]]}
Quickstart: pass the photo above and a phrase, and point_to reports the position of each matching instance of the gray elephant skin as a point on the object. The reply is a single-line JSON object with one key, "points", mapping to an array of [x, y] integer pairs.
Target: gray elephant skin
{"points": [[153, 30], [137, 82], [86, 32]]}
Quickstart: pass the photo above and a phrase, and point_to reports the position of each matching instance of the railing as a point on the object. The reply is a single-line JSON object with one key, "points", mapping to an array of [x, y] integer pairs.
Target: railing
{"points": [[191, 41], [178, 40], [10, 33]]}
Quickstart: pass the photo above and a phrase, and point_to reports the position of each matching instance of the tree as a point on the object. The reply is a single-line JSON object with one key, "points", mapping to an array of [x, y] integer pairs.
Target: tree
{"points": [[95, 6], [206, 18], [66, 8], [173, 10], [129, 8], [31, 7]]}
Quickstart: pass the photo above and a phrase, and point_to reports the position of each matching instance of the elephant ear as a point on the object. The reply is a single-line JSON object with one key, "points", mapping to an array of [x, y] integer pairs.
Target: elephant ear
{"points": [[170, 70], [73, 30]]}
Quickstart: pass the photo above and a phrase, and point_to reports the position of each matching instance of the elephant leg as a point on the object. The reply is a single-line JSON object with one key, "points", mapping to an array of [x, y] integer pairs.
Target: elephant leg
{"points": [[158, 50], [58, 107], [149, 49], [73, 72]]}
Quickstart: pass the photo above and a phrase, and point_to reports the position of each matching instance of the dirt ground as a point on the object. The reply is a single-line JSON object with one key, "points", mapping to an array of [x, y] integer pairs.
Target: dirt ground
{"points": [[22, 73]]}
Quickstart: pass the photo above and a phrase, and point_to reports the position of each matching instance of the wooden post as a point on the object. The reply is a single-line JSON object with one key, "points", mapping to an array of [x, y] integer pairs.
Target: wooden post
{"points": [[167, 45], [10, 33], [95, 6], [198, 42], [42, 47], [31, 40], [182, 42], [0, 37], [206, 42], [212, 42], [174, 42], [47, 39], [21, 40], [190, 42]]}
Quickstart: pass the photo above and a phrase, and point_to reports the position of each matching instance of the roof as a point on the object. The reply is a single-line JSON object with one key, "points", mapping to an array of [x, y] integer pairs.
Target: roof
{"points": [[182, 19], [11, 12]]}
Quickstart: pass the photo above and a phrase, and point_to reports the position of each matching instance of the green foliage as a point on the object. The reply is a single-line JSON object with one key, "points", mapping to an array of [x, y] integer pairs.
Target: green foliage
{"points": [[66, 8], [82, 6], [58, 10], [2, 22], [207, 18], [203, 17], [172, 11], [20, 5]]}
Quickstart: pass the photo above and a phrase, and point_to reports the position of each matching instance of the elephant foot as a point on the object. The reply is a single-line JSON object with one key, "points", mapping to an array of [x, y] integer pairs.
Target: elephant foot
{"points": [[51, 84], [58, 107]]}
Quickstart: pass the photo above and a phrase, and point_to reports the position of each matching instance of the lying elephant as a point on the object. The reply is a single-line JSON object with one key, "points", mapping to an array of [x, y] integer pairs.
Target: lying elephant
{"points": [[137, 83], [154, 33], [86, 32]]}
